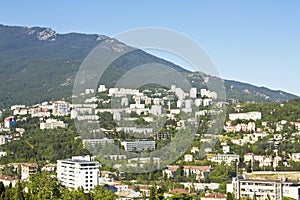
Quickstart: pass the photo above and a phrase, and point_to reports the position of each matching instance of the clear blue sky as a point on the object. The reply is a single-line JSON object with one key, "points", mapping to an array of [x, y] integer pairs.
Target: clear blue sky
{"points": [[251, 41]]}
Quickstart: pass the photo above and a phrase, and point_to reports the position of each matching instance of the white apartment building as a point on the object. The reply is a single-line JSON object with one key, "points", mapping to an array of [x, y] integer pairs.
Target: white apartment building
{"points": [[156, 110], [78, 172], [135, 130], [193, 92], [245, 116], [138, 145], [209, 94], [100, 142], [52, 124], [255, 188], [121, 92], [263, 189], [227, 158]]}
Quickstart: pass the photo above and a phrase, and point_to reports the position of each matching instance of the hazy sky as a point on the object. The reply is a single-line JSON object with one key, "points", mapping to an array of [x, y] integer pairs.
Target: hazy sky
{"points": [[251, 41]]}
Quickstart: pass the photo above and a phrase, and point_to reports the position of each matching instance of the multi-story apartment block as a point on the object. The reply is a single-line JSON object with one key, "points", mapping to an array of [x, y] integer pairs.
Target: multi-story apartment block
{"points": [[97, 142], [263, 189], [78, 172], [60, 108], [245, 116], [52, 124], [138, 145]]}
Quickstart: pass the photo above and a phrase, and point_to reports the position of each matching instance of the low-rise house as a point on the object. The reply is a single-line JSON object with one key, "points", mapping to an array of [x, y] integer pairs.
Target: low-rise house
{"points": [[20, 111], [264, 161], [51, 167], [188, 158], [170, 171], [295, 157], [297, 125], [7, 180], [199, 171], [200, 186], [3, 139], [3, 153], [250, 127], [195, 149], [9, 122], [177, 191], [226, 158]]}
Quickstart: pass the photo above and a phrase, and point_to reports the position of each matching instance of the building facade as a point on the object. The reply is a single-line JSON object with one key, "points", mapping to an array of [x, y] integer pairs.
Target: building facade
{"points": [[256, 189], [78, 172], [138, 145]]}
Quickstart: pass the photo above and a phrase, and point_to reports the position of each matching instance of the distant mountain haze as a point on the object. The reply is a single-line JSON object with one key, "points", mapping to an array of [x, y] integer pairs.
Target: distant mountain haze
{"points": [[38, 64]]}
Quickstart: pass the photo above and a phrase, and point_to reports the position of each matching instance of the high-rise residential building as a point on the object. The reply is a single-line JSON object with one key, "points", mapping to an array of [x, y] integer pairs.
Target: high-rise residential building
{"points": [[78, 172]]}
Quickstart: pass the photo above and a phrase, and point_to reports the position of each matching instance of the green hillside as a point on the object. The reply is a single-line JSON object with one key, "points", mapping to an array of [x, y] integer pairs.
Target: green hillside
{"points": [[37, 64]]}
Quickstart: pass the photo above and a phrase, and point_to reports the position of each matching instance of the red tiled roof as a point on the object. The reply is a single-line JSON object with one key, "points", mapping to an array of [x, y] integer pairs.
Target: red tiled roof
{"points": [[173, 168], [215, 195], [179, 191], [9, 178]]}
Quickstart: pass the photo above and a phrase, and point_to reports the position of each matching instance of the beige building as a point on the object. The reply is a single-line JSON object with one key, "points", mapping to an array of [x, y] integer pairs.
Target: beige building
{"points": [[27, 169]]}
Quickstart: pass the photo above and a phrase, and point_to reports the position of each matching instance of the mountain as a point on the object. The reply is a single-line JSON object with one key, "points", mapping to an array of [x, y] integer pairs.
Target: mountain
{"points": [[38, 64]]}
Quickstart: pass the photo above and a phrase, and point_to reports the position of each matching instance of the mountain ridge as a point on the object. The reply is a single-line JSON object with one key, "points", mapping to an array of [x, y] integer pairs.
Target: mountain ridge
{"points": [[38, 64]]}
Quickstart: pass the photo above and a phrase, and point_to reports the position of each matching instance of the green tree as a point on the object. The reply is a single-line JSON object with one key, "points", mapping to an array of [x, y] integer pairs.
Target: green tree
{"points": [[106, 120], [44, 185], [152, 193], [2, 190], [229, 196], [101, 193], [222, 187], [19, 195], [9, 193], [70, 194]]}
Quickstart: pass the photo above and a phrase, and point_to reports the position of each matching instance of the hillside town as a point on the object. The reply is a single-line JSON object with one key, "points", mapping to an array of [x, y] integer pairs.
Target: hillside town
{"points": [[253, 158]]}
